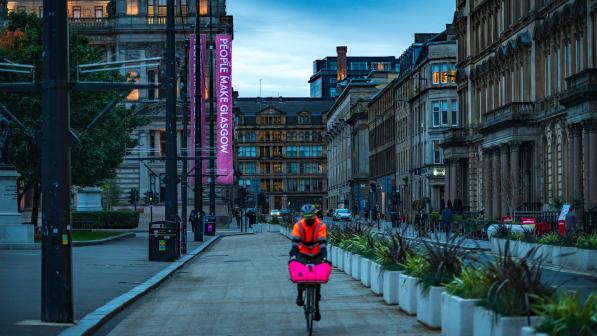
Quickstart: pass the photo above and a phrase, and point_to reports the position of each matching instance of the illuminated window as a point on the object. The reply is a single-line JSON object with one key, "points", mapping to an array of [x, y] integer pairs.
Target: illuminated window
{"points": [[99, 12], [437, 153], [77, 12], [203, 7], [150, 7], [184, 8], [435, 74], [277, 167], [444, 72], [453, 73], [277, 185], [132, 7], [40, 11], [134, 95], [163, 8]]}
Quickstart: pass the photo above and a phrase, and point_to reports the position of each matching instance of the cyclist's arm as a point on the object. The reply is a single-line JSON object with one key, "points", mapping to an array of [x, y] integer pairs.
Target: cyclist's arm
{"points": [[296, 238], [322, 238]]}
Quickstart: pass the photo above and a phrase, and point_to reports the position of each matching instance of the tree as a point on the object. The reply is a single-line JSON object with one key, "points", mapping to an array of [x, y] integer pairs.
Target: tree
{"points": [[100, 150]]}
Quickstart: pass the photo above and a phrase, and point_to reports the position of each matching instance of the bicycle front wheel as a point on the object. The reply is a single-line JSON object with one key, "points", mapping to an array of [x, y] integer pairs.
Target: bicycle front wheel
{"points": [[310, 308]]}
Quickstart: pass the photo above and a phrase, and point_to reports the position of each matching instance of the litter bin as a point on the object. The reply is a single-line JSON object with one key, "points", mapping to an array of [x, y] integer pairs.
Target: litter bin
{"points": [[163, 241], [210, 225]]}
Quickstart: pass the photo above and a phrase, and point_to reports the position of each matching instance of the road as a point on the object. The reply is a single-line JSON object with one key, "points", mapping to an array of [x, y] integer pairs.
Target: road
{"points": [[240, 286], [100, 273]]}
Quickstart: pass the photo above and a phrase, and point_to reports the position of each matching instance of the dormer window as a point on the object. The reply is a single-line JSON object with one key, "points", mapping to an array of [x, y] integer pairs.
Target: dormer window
{"points": [[304, 119]]}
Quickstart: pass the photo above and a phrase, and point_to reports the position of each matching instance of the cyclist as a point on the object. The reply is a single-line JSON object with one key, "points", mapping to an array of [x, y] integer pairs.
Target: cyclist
{"points": [[309, 239]]}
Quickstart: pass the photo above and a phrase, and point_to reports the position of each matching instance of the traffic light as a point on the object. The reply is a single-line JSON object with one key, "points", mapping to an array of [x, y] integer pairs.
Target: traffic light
{"points": [[133, 196], [151, 197]]}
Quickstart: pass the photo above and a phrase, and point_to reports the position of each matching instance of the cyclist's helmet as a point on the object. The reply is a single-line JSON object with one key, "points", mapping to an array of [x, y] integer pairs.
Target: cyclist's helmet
{"points": [[309, 211]]}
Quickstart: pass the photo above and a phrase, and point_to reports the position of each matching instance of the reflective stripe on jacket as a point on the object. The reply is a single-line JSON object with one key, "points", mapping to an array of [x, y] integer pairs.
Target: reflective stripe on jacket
{"points": [[309, 239]]}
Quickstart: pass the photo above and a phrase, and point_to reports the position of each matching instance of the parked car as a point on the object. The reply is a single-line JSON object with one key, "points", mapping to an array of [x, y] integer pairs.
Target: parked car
{"points": [[275, 213], [342, 215]]}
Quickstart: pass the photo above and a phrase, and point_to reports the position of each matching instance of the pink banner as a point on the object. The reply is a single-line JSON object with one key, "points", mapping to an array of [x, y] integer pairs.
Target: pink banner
{"points": [[224, 118], [192, 87]]}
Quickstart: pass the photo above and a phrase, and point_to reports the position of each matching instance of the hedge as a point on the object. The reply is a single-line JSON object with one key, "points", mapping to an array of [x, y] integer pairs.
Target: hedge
{"points": [[106, 219]]}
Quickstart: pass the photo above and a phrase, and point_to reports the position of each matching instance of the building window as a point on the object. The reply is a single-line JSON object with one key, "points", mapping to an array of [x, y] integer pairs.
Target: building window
{"points": [[249, 151], [444, 113], [444, 68], [99, 12], [184, 7], [291, 151], [163, 8], [547, 64], [133, 75], [203, 7], [579, 58], [333, 92], [277, 151], [522, 97], [264, 168], [277, 185], [333, 80], [359, 66], [453, 73], [454, 112], [292, 185], [132, 7], [21, 9], [436, 114], [333, 66], [290, 136], [304, 120], [40, 11], [558, 70], [76, 12], [567, 60], [248, 168], [435, 70], [293, 168], [437, 153]]}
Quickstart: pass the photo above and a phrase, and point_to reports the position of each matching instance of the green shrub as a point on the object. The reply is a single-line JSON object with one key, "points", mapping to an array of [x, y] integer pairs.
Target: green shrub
{"points": [[442, 263], [501, 232], [568, 316], [552, 238], [516, 236], [588, 242], [364, 244], [391, 252], [472, 283], [516, 285], [414, 265], [106, 219]]}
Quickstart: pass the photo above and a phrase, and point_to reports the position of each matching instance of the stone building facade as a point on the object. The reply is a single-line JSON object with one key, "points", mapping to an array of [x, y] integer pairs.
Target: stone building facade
{"points": [[526, 88], [281, 152], [129, 30], [407, 120]]}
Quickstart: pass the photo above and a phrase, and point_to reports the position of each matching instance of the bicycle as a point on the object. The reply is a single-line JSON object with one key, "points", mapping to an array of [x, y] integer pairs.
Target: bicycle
{"points": [[310, 276]]}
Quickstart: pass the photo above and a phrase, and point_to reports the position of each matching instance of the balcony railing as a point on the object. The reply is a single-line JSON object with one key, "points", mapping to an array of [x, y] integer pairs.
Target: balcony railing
{"points": [[91, 23], [454, 136], [510, 113], [580, 86]]}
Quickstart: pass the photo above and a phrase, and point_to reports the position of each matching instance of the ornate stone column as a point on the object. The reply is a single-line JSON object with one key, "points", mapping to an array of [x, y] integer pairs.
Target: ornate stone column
{"points": [[487, 184], [515, 174], [577, 155], [496, 190], [591, 166], [455, 182], [506, 187], [447, 179]]}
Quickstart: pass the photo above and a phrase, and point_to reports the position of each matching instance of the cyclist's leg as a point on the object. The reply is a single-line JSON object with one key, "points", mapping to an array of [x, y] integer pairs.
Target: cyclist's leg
{"points": [[300, 287]]}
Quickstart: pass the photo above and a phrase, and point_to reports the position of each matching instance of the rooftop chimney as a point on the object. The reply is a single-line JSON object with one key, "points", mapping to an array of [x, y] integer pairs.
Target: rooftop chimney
{"points": [[341, 50]]}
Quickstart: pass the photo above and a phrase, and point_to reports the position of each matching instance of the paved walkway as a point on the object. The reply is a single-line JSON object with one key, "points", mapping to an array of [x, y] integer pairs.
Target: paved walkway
{"points": [[240, 286]]}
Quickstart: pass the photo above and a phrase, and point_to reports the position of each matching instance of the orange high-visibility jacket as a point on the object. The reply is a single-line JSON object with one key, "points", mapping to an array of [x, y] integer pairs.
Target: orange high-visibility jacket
{"points": [[309, 239]]}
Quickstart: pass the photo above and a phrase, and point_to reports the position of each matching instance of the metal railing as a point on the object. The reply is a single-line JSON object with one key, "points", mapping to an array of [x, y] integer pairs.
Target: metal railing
{"points": [[510, 112]]}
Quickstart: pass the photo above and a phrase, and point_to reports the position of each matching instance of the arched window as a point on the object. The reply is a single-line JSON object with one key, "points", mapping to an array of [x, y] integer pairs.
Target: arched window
{"points": [[559, 162], [549, 166]]}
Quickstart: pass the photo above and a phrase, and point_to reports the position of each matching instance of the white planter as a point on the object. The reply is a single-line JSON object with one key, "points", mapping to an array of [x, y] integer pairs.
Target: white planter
{"points": [[530, 331], [524, 248], [545, 252], [257, 228], [407, 294], [282, 229], [331, 253], [484, 324], [563, 256], [355, 267], [588, 258], [457, 315], [347, 262], [366, 272], [514, 247], [340, 258], [376, 278], [391, 286], [429, 306]]}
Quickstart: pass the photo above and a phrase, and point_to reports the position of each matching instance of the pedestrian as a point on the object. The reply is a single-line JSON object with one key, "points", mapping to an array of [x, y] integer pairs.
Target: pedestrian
{"points": [[193, 219], [239, 217], [447, 216], [571, 221]]}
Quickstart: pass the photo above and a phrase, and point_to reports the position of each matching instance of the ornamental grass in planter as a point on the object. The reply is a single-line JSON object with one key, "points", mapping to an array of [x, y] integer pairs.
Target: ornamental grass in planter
{"points": [[462, 294], [515, 288], [442, 264], [567, 316], [364, 246], [499, 238], [391, 254], [407, 294], [547, 243], [528, 241], [515, 239]]}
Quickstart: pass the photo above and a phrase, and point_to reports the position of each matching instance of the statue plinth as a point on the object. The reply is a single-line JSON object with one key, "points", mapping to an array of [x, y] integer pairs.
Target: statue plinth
{"points": [[13, 234]]}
